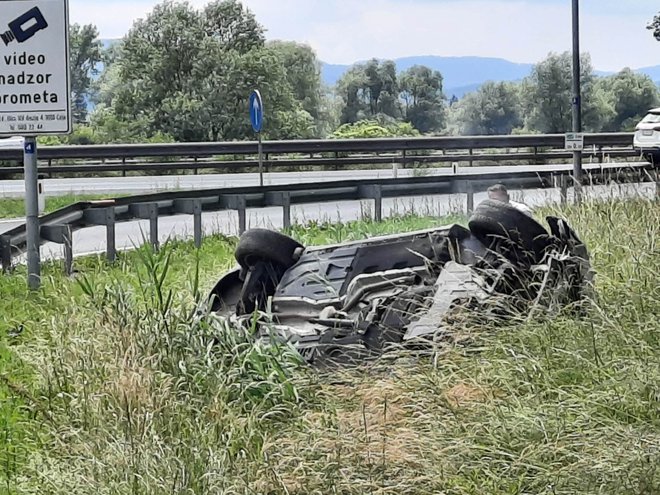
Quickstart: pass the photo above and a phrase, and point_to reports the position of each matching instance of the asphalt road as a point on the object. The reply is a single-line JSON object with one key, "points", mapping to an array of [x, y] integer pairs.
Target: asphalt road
{"points": [[112, 186], [129, 234]]}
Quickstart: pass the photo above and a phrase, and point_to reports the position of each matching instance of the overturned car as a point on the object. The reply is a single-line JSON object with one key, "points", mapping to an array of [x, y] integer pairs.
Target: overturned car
{"points": [[353, 300]]}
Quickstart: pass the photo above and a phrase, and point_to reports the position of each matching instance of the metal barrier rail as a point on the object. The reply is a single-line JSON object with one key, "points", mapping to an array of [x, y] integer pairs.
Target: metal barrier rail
{"points": [[320, 153], [58, 226]]}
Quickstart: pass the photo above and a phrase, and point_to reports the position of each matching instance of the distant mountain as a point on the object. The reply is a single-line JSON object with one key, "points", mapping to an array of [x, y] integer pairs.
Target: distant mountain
{"points": [[652, 72], [466, 74], [460, 74], [461, 91]]}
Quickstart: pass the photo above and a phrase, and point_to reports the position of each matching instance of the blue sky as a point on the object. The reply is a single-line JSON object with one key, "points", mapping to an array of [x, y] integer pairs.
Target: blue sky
{"points": [[344, 31]]}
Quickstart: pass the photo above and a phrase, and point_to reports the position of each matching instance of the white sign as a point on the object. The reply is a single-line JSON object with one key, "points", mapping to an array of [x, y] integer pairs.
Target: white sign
{"points": [[34, 67], [574, 141]]}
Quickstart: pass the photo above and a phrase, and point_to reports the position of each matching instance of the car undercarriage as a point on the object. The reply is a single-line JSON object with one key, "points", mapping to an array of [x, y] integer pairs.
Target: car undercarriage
{"points": [[348, 302]]}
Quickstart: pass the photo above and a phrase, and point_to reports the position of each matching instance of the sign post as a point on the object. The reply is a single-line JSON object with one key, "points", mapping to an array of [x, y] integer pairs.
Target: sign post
{"points": [[577, 101], [32, 212], [34, 93], [257, 120]]}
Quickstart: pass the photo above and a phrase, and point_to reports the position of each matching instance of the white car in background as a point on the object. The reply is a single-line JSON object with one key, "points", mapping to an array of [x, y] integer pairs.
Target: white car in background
{"points": [[15, 142], [647, 136]]}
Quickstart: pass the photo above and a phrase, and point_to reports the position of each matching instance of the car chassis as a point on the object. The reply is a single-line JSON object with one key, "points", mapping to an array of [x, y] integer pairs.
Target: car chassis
{"points": [[347, 302]]}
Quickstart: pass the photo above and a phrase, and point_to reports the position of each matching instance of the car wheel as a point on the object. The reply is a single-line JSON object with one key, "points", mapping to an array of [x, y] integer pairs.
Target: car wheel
{"points": [[266, 245], [509, 231]]}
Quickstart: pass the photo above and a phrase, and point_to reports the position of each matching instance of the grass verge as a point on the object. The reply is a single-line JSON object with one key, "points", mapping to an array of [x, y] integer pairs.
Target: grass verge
{"points": [[114, 384], [15, 208]]}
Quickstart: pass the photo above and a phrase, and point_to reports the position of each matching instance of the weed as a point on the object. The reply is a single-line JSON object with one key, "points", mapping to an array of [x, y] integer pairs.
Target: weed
{"points": [[118, 382]]}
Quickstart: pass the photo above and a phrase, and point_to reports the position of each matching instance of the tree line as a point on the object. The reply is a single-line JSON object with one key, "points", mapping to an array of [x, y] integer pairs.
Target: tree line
{"points": [[185, 74]]}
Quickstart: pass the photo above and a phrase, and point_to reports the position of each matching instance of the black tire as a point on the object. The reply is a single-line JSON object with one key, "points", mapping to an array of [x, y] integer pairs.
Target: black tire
{"points": [[266, 245], [517, 236]]}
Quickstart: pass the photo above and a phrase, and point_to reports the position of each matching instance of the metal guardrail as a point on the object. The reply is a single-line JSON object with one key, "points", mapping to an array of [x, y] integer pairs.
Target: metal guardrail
{"points": [[233, 156], [58, 226]]}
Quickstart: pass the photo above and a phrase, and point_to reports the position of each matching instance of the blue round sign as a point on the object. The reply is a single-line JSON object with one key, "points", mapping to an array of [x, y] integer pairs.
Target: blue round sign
{"points": [[256, 111]]}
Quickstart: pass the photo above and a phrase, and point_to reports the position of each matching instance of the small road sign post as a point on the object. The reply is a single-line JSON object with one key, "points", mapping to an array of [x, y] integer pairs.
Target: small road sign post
{"points": [[257, 120], [34, 93]]}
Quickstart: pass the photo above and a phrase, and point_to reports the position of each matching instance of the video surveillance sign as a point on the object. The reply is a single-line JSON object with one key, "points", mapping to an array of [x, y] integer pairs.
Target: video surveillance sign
{"points": [[34, 68]]}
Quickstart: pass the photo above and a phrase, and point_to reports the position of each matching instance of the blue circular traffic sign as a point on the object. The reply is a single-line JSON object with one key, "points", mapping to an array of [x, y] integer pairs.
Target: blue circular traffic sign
{"points": [[256, 111]]}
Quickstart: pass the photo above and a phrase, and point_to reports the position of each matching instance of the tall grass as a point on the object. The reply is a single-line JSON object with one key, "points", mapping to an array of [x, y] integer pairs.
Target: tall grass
{"points": [[126, 387]]}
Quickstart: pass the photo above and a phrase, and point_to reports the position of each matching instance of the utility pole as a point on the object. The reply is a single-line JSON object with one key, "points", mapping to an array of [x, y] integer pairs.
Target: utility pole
{"points": [[577, 101]]}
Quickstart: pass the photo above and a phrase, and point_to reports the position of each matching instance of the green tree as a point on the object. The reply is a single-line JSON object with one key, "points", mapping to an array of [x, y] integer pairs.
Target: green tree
{"points": [[85, 54], [655, 26], [369, 90], [421, 92], [189, 74], [156, 62], [495, 108], [547, 96], [351, 90], [233, 26], [222, 86], [629, 96], [303, 72]]}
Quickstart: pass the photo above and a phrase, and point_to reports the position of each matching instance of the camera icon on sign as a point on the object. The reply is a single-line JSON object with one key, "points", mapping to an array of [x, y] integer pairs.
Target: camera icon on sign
{"points": [[25, 26]]}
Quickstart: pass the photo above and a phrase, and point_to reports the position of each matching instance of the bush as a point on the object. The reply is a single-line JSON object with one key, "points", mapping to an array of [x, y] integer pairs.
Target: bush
{"points": [[374, 129]]}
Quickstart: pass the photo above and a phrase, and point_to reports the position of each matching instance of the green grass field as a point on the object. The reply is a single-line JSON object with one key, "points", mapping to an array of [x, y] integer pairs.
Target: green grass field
{"points": [[112, 383]]}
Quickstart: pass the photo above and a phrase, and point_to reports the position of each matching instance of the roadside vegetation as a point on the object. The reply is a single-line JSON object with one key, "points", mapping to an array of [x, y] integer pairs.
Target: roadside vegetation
{"points": [[112, 382], [15, 208]]}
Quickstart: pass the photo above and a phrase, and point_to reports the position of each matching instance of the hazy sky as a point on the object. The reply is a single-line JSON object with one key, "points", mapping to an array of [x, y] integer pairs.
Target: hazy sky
{"points": [[345, 31]]}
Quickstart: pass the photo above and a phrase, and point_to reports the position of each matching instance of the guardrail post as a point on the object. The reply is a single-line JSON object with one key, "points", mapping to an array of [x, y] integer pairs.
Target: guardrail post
{"points": [[105, 216], [239, 203], [242, 214], [469, 190], [378, 205], [5, 253], [60, 234], [470, 161], [563, 189], [153, 226], [67, 239], [197, 222], [374, 192], [123, 170], [286, 210], [194, 207], [236, 202], [110, 235]]}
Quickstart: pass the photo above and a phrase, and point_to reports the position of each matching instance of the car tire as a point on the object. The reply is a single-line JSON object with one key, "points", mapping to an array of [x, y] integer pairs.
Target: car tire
{"points": [[266, 245], [518, 237]]}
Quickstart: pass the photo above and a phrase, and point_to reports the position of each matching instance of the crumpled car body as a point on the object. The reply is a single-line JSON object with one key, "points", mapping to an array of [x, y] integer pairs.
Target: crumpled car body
{"points": [[349, 301]]}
